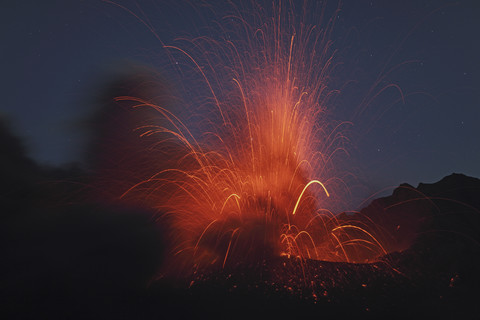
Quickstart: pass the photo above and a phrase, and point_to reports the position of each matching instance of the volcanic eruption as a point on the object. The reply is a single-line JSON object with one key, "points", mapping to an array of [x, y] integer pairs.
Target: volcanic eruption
{"points": [[218, 193], [248, 174]]}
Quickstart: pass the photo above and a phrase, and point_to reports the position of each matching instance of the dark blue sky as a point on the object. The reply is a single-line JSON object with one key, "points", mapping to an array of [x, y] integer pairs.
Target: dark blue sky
{"points": [[55, 53]]}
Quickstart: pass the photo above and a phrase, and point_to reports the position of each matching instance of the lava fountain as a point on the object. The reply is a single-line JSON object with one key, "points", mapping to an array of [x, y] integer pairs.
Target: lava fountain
{"points": [[252, 178]]}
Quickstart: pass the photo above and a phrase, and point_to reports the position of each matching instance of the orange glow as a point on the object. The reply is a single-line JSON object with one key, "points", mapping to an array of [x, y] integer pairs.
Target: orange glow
{"points": [[255, 182]]}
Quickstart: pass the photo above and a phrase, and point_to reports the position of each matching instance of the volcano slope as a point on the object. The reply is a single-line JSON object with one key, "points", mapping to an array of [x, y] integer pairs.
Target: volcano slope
{"points": [[431, 268]]}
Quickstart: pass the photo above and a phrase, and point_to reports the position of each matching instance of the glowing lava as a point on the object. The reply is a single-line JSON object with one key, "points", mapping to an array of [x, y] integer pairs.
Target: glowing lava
{"points": [[254, 183]]}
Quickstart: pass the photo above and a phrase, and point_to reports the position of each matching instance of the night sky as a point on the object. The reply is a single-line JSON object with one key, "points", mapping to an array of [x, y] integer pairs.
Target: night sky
{"points": [[54, 54]]}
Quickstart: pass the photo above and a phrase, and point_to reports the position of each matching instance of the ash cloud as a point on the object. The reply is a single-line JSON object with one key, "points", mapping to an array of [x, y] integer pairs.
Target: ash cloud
{"points": [[66, 253]]}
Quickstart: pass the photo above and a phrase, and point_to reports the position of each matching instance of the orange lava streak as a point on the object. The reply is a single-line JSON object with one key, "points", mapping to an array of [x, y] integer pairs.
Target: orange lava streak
{"points": [[303, 191]]}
